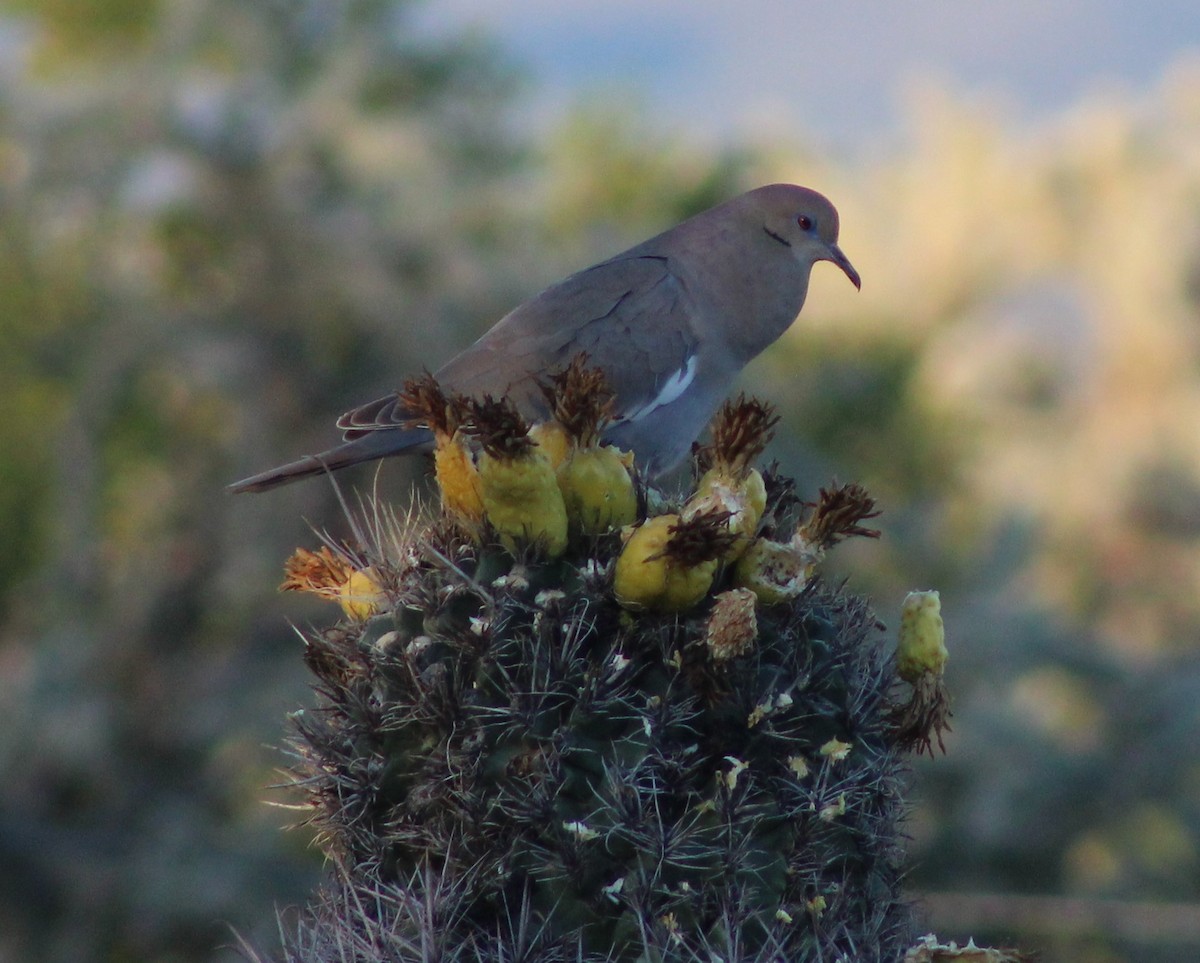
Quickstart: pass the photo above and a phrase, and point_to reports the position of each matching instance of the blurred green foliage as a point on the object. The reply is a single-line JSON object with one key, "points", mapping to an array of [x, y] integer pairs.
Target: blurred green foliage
{"points": [[70, 29], [223, 223]]}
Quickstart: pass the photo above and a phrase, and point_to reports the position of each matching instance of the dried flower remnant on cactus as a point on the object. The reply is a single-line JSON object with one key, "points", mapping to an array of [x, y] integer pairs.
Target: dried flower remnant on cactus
{"points": [[668, 563], [321, 573], [837, 516], [499, 428], [596, 485], [580, 399], [519, 489], [740, 431], [335, 576], [778, 571], [454, 465]]}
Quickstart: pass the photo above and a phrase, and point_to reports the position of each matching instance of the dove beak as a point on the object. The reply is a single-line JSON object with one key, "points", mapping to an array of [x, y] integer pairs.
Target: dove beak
{"points": [[840, 259]]}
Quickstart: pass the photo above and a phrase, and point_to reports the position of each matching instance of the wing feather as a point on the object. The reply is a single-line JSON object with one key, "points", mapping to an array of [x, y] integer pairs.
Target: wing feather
{"points": [[631, 313]]}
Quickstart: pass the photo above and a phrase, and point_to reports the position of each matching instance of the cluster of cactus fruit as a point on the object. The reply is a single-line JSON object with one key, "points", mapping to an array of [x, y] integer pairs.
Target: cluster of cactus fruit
{"points": [[567, 718]]}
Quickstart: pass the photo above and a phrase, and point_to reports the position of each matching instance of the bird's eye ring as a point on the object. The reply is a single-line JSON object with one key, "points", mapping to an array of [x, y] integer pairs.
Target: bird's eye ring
{"points": [[805, 222]]}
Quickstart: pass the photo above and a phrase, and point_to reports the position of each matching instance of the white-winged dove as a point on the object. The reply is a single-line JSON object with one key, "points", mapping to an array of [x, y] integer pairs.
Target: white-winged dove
{"points": [[671, 322]]}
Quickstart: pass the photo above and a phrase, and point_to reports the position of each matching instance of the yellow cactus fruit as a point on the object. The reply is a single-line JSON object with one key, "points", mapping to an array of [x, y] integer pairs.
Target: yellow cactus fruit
{"points": [[643, 571], [522, 500], [668, 563], [552, 438], [597, 488], [732, 625], [334, 575], [519, 490], [360, 596], [922, 645], [453, 463], [740, 431], [745, 501], [458, 479], [774, 571], [921, 661]]}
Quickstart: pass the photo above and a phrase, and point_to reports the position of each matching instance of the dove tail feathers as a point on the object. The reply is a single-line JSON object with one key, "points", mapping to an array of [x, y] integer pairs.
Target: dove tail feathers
{"points": [[368, 447]]}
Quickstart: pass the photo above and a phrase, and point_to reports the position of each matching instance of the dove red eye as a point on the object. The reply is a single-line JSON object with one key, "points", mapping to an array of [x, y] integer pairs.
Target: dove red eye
{"points": [[805, 222]]}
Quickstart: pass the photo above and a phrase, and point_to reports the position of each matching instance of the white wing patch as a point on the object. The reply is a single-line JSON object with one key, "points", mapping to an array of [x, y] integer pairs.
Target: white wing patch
{"points": [[676, 385]]}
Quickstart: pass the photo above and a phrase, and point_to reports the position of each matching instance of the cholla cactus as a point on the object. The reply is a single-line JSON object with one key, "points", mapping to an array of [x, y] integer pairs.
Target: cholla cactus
{"points": [[508, 763]]}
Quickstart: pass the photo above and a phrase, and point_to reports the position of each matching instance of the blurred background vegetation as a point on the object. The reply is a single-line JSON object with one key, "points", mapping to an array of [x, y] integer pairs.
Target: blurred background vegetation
{"points": [[222, 223]]}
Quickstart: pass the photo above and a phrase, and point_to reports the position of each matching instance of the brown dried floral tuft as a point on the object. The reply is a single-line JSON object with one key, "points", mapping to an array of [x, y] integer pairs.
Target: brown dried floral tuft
{"points": [[498, 425], [924, 717], [430, 406], [580, 399], [700, 538], [837, 515], [740, 430], [321, 573]]}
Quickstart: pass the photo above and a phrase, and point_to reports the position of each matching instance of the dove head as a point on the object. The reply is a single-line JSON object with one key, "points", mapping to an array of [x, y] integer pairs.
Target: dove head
{"points": [[803, 221]]}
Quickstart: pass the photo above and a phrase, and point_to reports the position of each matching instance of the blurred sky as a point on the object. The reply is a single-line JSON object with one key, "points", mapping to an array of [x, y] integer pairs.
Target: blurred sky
{"points": [[837, 68]]}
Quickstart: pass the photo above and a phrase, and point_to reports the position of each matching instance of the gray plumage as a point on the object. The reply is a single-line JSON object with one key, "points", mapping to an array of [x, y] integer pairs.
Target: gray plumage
{"points": [[671, 321]]}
